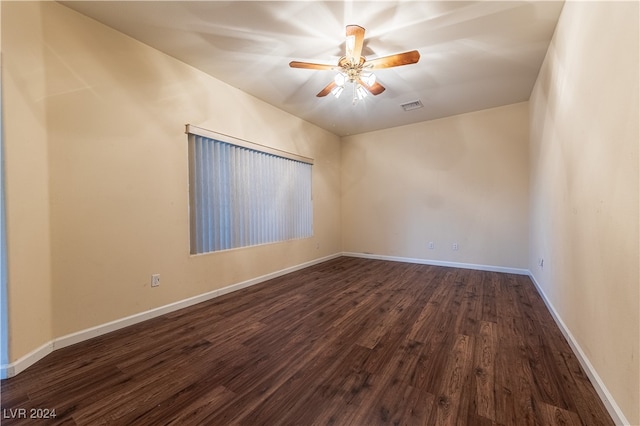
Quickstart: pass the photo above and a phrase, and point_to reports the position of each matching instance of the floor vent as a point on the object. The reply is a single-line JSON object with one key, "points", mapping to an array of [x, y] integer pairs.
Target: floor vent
{"points": [[412, 105]]}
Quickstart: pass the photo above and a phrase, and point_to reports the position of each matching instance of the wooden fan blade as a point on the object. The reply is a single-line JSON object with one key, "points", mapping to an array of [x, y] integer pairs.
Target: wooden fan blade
{"points": [[354, 52], [375, 89], [310, 66], [405, 58], [326, 90]]}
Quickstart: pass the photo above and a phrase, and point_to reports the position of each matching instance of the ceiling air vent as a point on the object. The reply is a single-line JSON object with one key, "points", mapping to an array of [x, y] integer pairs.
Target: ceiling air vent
{"points": [[412, 105]]}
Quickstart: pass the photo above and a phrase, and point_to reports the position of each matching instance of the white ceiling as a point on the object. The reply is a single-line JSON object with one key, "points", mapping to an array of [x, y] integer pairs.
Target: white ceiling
{"points": [[474, 55]]}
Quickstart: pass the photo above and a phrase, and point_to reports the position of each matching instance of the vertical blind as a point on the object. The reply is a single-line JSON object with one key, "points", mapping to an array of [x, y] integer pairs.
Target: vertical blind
{"points": [[242, 197]]}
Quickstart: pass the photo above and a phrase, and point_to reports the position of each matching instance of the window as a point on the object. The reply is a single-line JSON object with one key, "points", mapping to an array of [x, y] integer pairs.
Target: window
{"points": [[243, 194]]}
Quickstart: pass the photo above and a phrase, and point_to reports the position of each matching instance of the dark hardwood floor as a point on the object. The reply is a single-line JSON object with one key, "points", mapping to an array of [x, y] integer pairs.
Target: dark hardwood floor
{"points": [[347, 342]]}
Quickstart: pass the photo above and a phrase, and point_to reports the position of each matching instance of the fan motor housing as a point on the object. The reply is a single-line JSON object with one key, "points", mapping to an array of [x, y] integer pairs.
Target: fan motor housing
{"points": [[351, 70]]}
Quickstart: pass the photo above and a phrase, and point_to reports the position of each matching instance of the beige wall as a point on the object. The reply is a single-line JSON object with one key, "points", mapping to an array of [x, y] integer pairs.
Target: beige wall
{"points": [[462, 179], [26, 144], [584, 188], [97, 180]]}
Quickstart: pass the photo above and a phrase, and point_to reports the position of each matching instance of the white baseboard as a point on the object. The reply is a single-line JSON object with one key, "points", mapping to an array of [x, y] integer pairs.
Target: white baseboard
{"points": [[477, 267], [16, 367], [614, 410]]}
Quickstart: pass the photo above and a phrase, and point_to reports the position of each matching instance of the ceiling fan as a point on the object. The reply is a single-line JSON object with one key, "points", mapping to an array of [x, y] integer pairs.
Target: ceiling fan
{"points": [[356, 69]]}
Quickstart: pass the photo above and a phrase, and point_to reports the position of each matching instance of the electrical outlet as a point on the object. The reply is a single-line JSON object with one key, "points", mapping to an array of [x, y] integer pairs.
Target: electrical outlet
{"points": [[454, 246], [431, 245], [155, 280]]}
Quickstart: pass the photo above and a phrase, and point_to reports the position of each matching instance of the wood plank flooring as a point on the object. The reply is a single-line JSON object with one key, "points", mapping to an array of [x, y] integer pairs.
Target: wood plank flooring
{"points": [[346, 342]]}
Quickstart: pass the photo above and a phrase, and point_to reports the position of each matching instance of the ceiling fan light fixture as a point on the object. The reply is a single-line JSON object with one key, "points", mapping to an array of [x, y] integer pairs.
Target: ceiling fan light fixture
{"points": [[340, 79], [337, 91], [361, 92], [368, 78]]}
